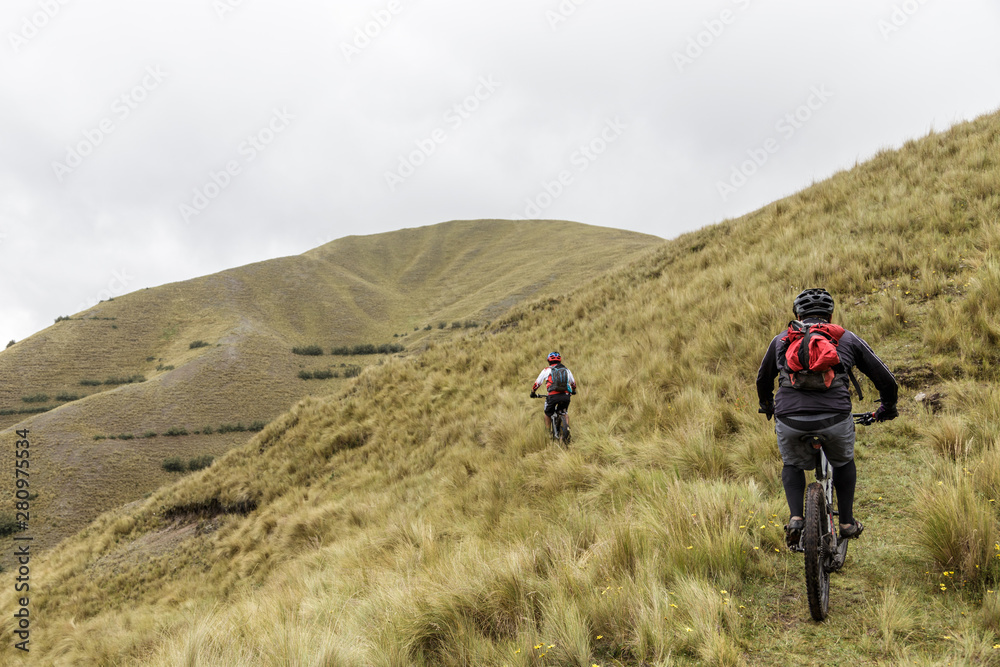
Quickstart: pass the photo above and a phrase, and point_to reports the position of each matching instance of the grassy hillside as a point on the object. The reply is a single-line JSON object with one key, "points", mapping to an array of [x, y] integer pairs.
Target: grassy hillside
{"points": [[420, 516], [217, 352]]}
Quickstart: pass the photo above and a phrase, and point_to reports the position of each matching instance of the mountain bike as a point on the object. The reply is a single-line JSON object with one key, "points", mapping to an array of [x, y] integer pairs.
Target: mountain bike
{"points": [[824, 551], [560, 432]]}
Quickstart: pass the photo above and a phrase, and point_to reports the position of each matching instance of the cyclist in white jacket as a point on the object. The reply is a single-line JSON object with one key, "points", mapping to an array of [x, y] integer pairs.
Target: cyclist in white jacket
{"points": [[560, 385]]}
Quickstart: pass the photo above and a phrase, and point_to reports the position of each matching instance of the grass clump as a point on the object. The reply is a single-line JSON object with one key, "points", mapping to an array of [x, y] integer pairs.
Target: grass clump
{"points": [[308, 350], [175, 431], [8, 524], [36, 398], [367, 348], [66, 397], [173, 464], [11, 343], [91, 383], [195, 344], [116, 381], [200, 462], [25, 411]]}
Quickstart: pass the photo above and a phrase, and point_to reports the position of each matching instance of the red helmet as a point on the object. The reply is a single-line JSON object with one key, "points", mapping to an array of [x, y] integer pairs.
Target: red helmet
{"points": [[554, 357]]}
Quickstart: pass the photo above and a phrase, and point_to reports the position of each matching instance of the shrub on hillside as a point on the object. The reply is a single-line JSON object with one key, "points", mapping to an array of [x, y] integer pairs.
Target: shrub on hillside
{"points": [[207, 430], [161, 367], [132, 379], [91, 383], [126, 436], [62, 318], [25, 411], [173, 464], [308, 350], [149, 434], [442, 325], [257, 426], [174, 431], [428, 328], [456, 325], [8, 524], [367, 348], [196, 344], [36, 398], [200, 462], [352, 371], [66, 397], [12, 341]]}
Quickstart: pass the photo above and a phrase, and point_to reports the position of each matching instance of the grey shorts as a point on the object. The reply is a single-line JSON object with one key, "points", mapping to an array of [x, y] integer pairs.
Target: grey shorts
{"points": [[839, 447]]}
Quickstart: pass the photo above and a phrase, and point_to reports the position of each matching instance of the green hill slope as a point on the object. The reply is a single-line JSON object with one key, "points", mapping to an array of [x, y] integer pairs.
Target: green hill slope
{"points": [[421, 517], [244, 323]]}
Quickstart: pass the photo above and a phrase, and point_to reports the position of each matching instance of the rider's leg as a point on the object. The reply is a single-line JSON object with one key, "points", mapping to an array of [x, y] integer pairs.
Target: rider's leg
{"points": [[548, 421], [793, 479], [844, 480]]}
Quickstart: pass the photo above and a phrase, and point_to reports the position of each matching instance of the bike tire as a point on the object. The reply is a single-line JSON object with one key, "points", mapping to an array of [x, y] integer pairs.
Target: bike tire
{"points": [[817, 575]]}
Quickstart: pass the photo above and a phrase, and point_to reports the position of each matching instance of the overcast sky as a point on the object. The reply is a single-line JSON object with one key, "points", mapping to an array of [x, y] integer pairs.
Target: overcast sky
{"points": [[148, 142]]}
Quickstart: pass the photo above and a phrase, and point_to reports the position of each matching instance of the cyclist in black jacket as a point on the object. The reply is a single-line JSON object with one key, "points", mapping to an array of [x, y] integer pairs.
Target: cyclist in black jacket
{"points": [[799, 412]]}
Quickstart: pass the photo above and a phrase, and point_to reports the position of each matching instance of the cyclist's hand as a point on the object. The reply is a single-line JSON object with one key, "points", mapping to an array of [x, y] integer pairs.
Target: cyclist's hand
{"points": [[885, 413], [767, 409], [534, 395]]}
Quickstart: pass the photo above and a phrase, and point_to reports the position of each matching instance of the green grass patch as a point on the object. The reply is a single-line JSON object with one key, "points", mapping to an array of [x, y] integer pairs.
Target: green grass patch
{"points": [[175, 431], [200, 462], [24, 411], [8, 524], [308, 350], [367, 348], [194, 345], [36, 398], [173, 464]]}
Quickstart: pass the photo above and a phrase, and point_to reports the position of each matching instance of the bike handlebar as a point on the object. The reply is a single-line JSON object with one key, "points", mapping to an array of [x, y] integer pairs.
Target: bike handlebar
{"points": [[864, 418]]}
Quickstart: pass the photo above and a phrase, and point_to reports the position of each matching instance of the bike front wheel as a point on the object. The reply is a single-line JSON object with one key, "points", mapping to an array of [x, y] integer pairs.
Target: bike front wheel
{"points": [[817, 574]]}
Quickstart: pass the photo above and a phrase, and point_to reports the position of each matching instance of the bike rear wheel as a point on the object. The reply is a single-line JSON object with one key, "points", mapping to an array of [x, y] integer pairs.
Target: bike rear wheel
{"points": [[817, 574]]}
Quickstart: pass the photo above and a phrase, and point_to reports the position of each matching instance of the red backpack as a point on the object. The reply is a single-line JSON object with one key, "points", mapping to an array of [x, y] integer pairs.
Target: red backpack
{"points": [[810, 361]]}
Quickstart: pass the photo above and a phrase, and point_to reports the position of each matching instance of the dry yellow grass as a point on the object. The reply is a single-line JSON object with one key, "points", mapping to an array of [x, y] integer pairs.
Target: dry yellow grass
{"points": [[351, 291], [421, 517]]}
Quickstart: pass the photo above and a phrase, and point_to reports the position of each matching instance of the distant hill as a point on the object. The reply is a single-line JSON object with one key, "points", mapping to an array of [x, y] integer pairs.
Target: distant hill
{"points": [[208, 355]]}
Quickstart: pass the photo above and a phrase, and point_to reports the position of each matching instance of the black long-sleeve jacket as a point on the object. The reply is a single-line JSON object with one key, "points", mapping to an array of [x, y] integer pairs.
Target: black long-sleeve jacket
{"points": [[854, 353]]}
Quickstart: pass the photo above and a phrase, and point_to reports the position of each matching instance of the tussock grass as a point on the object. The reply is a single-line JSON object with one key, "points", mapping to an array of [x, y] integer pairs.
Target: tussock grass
{"points": [[420, 515]]}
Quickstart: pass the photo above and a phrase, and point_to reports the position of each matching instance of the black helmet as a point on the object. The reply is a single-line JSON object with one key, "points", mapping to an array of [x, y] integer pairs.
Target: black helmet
{"points": [[813, 302]]}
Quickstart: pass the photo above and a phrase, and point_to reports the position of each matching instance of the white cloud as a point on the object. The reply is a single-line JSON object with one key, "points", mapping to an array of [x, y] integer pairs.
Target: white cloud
{"points": [[324, 177]]}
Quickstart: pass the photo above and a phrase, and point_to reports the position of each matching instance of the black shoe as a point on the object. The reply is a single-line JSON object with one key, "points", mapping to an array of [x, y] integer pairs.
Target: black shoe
{"points": [[851, 532], [793, 532]]}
